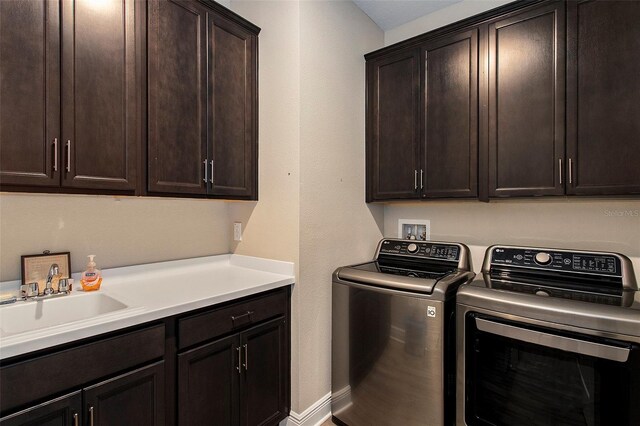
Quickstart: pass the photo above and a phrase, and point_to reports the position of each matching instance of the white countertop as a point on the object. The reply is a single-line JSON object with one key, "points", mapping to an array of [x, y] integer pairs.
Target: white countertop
{"points": [[154, 291]]}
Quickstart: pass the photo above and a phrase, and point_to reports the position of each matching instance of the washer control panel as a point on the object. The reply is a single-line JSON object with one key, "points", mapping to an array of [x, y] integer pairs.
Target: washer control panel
{"points": [[557, 260], [421, 249]]}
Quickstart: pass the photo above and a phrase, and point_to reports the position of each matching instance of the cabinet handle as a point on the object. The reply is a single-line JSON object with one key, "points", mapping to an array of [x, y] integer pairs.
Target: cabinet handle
{"points": [[75, 419], [68, 155], [205, 171], [246, 358], [91, 416], [211, 177], [415, 180], [560, 173], [239, 360], [55, 154], [421, 179], [570, 171]]}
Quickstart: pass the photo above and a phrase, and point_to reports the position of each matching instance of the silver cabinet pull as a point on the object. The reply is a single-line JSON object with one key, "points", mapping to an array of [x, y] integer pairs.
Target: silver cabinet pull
{"points": [[91, 416], [415, 180], [75, 419], [211, 177], [421, 179], [68, 155], [246, 358], [560, 165], [570, 171], [205, 171], [239, 360], [55, 154]]}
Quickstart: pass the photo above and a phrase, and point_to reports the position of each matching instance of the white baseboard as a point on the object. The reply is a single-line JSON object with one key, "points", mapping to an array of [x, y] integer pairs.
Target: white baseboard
{"points": [[315, 415]]}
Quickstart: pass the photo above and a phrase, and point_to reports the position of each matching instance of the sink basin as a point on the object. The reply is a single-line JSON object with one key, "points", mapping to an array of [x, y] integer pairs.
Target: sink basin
{"points": [[22, 317]]}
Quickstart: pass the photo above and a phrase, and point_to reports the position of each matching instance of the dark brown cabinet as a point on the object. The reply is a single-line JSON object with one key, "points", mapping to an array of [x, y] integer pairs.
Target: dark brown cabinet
{"points": [[132, 399], [30, 93], [78, 128], [265, 365], [393, 127], [202, 91], [422, 115], [530, 99], [241, 379], [100, 111], [228, 364], [450, 136], [63, 411], [526, 102], [603, 112]]}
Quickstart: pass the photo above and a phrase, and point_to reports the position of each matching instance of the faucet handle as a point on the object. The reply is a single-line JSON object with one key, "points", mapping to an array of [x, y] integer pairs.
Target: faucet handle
{"points": [[65, 285], [29, 290]]}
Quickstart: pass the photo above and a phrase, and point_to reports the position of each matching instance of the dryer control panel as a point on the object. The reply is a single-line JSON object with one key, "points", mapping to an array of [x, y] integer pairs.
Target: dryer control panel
{"points": [[420, 249]]}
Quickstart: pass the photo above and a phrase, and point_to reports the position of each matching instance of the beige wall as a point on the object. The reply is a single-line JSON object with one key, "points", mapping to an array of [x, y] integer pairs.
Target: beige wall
{"points": [[119, 230], [271, 226], [311, 164], [440, 18], [590, 224], [336, 226]]}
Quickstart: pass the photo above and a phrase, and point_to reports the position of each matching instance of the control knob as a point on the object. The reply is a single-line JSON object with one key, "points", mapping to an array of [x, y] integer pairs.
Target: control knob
{"points": [[543, 258], [412, 248]]}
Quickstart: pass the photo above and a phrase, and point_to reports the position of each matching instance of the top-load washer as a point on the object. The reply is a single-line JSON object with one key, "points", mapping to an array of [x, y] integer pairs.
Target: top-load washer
{"points": [[393, 342]]}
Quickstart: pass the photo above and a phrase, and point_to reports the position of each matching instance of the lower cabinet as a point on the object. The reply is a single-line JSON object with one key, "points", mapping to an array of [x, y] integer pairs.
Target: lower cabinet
{"points": [[63, 411], [237, 380], [226, 365], [132, 399]]}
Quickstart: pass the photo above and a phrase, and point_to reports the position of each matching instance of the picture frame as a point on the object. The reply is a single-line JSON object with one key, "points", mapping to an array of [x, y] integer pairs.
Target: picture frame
{"points": [[35, 267], [414, 229]]}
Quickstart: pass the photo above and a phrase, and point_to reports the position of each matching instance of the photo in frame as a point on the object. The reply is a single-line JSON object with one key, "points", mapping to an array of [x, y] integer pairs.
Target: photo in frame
{"points": [[35, 267]]}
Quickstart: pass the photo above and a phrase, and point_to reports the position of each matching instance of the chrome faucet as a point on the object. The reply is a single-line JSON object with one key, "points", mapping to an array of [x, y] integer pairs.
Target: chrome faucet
{"points": [[53, 271]]}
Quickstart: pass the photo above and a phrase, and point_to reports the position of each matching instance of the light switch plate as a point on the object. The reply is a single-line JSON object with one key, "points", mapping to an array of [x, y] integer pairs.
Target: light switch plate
{"points": [[237, 231]]}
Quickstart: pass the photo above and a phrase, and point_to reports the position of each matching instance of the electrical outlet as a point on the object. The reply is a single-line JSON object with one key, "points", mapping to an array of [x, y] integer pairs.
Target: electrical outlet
{"points": [[237, 231]]}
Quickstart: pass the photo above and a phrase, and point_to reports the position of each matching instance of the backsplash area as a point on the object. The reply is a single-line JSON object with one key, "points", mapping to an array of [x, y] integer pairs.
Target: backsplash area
{"points": [[594, 224], [120, 231]]}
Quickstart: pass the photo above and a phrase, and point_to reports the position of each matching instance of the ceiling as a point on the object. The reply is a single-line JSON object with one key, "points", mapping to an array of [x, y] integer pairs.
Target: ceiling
{"points": [[389, 14]]}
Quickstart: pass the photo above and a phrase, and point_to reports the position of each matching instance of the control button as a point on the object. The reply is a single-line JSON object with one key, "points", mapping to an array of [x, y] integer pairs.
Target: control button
{"points": [[567, 261], [542, 293], [543, 258], [412, 248], [519, 257]]}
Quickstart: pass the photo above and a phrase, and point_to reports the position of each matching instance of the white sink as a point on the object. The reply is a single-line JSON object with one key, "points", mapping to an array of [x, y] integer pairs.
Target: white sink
{"points": [[22, 317]]}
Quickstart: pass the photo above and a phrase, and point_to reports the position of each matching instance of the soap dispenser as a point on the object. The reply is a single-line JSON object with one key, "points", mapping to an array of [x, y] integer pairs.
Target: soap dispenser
{"points": [[92, 277]]}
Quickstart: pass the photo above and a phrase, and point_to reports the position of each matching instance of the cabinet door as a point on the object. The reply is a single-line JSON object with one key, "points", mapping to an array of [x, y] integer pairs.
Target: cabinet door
{"points": [[30, 92], [133, 399], [233, 110], [63, 411], [177, 92], [266, 374], [603, 112], [100, 114], [208, 384], [526, 102], [393, 126], [451, 116]]}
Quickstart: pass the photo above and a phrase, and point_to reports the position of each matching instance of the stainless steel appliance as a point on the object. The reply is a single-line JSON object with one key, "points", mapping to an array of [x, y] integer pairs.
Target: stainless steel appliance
{"points": [[549, 337], [393, 353]]}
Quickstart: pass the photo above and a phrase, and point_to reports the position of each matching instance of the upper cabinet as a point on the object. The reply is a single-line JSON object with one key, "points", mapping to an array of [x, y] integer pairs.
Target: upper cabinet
{"points": [[30, 93], [128, 97], [530, 99], [603, 84], [202, 92], [450, 116], [526, 102], [393, 126], [70, 116], [422, 117]]}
